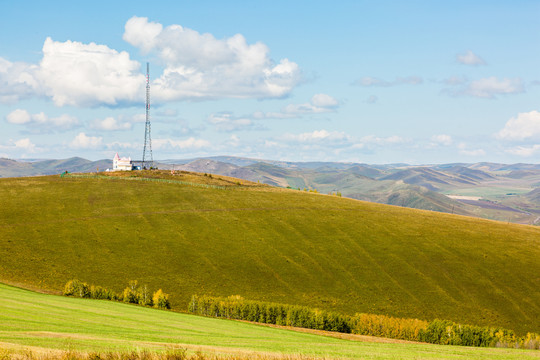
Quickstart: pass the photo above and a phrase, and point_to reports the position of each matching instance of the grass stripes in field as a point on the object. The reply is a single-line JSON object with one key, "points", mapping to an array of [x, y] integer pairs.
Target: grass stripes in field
{"points": [[48, 321]]}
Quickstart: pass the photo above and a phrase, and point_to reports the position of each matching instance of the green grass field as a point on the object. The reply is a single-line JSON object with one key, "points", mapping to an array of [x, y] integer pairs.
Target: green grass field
{"points": [[29, 319], [268, 244]]}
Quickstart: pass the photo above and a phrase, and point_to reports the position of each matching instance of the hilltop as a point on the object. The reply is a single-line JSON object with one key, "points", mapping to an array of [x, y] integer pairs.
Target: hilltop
{"points": [[486, 190], [193, 233]]}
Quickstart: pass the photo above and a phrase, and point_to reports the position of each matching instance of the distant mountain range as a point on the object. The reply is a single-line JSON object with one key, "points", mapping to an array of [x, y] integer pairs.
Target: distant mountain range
{"points": [[507, 192]]}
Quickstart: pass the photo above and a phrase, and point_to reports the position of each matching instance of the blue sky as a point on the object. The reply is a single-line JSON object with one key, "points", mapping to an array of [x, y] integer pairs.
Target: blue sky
{"points": [[377, 82]]}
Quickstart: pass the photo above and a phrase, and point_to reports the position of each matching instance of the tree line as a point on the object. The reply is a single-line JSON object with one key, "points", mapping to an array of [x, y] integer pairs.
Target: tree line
{"points": [[442, 332], [133, 294]]}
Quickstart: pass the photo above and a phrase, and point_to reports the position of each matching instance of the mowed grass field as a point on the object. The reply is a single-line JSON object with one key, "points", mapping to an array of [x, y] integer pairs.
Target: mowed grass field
{"points": [[38, 321], [268, 244]]}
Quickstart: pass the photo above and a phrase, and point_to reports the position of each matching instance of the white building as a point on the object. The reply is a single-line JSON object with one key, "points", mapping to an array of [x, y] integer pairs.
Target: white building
{"points": [[122, 164]]}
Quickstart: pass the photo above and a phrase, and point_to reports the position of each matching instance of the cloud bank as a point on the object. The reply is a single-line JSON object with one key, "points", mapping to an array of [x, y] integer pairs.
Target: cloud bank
{"points": [[196, 66], [199, 66]]}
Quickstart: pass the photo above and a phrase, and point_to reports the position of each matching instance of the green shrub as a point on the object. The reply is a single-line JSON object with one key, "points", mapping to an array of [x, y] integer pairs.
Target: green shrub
{"points": [[132, 294], [77, 288]]}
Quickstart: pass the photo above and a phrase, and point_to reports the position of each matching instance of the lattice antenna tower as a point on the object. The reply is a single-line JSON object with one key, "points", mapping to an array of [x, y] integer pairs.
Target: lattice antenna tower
{"points": [[147, 157]]}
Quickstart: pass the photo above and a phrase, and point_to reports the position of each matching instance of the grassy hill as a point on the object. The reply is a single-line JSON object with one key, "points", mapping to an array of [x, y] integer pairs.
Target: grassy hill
{"points": [[29, 319], [267, 244]]}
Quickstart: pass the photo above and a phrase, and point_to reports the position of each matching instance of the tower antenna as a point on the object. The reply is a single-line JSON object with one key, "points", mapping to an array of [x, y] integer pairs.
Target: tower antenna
{"points": [[147, 157]]}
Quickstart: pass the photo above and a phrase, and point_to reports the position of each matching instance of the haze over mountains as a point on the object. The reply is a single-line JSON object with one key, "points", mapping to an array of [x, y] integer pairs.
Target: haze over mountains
{"points": [[506, 192]]}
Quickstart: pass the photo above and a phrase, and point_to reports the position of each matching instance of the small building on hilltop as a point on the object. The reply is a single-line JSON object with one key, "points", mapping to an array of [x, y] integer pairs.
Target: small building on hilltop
{"points": [[122, 164]]}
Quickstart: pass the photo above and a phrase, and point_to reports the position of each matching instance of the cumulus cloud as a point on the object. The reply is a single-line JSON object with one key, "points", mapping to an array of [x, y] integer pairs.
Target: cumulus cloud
{"points": [[73, 73], [25, 144], [317, 136], [196, 66], [200, 66], [41, 122], [225, 121], [320, 103], [372, 81], [18, 116], [470, 58], [19, 148], [110, 124], [488, 88], [17, 81], [83, 141], [524, 151], [522, 127]]}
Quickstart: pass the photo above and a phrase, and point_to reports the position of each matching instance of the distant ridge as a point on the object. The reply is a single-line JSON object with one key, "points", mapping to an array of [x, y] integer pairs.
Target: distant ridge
{"points": [[503, 186]]}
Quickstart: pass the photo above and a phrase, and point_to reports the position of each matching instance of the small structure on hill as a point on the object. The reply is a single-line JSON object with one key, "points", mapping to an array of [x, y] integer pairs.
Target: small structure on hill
{"points": [[122, 164]]}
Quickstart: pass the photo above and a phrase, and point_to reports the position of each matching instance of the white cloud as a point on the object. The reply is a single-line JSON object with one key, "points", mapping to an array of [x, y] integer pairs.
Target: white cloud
{"points": [[442, 139], [488, 88], [124, 145], [524, 126], [41, 121], [371, 81], [318, 136], [470, 58], [324, 101], [320, 103], [18, 116], [233, 141], [200, 66], [227, 122], [25, 144], [73, 73], [83, 141], [524, 151], [17, 81], [20, 148], [110, 124], [190, 143], [196, 66]]}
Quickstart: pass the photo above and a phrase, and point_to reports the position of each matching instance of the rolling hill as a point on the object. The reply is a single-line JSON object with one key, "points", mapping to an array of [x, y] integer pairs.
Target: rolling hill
{"points": [[451, 188], [193, 234]]}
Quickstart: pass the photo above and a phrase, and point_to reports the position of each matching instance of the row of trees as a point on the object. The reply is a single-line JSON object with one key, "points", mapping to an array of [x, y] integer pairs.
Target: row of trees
{"points": [[133, 294], [235, 307], [436, 332]]}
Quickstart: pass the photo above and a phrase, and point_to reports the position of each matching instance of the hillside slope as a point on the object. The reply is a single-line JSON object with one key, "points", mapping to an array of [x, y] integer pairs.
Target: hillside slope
{"points": [[268, 244], [47, 322]]}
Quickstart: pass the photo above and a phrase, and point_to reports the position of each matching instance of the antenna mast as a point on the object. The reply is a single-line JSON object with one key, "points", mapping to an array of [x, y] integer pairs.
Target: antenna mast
{"points": [[147, 159]]}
